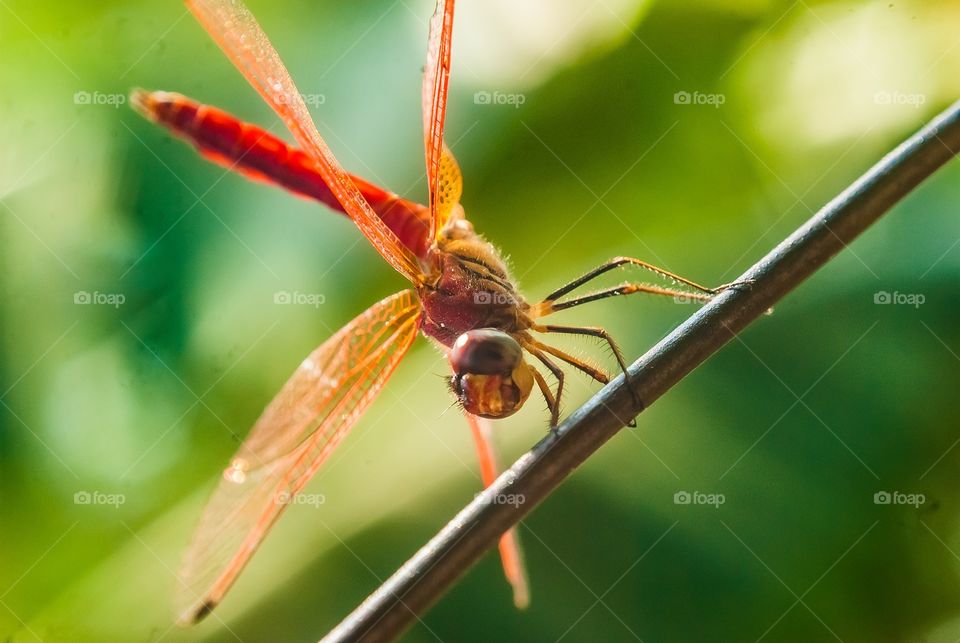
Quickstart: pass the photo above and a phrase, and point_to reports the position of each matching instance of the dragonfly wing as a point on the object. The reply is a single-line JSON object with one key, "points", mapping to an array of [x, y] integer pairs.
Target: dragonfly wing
{"points": [[241, 38], [296, 433], [449, 190], [511, 554], [436, 83]]}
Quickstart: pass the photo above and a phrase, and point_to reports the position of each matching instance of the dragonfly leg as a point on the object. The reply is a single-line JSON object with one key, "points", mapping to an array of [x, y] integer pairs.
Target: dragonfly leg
{"points": [[579, 364], [702, 293], [553, 402], [591, 331], [583, 366], [616, 262], [547, 308]]}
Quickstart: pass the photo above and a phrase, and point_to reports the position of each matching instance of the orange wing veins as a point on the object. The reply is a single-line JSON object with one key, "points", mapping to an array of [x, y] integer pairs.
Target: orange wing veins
{"points": [[296, 433], [436, 83], [241, 38]]}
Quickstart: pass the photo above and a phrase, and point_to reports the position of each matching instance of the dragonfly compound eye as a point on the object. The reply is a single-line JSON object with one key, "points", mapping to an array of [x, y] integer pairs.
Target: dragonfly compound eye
{"points": [[490, 377]]}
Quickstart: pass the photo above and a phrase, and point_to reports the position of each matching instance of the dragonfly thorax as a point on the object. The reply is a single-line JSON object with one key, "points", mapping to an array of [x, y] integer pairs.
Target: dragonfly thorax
{"points": [[469, 289]]}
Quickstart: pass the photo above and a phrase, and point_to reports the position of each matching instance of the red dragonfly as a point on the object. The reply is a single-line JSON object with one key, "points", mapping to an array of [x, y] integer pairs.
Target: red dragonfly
{"points": [[462, 297]]}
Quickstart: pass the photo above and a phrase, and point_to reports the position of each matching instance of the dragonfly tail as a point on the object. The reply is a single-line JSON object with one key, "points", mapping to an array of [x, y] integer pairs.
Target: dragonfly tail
{"points": [[511, 553]]}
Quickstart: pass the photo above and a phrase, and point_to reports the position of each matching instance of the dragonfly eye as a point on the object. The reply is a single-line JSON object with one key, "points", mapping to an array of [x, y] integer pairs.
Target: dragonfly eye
{"points": [[490, 377], [485, 352]]}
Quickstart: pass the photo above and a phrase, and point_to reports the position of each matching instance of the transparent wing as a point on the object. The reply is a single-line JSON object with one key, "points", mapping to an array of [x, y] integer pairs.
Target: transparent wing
{"points": [[299, 429], [436, 82], [240, 37], [511, 554]]}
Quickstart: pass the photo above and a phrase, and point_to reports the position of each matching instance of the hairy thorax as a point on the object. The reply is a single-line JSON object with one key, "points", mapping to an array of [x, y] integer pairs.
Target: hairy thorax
{"points": [[469, 287]]}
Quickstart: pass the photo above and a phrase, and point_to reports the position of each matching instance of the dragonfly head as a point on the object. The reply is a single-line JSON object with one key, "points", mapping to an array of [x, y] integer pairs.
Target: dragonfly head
{"points": [[490, 377]]}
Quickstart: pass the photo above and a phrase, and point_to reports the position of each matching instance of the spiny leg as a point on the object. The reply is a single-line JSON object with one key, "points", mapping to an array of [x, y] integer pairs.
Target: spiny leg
{"points": [[591, 371], [616, 262], [552, 402], [591, 331], [577, 363], [595, 373], [548, 307], [594, 331]]}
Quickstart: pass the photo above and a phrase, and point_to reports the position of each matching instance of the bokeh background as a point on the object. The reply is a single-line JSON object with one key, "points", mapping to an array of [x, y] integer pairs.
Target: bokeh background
{"points": [[694, 135]]}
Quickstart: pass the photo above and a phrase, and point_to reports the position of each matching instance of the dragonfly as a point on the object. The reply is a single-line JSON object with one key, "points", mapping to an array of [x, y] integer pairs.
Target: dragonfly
{"points": [[461, 297]]}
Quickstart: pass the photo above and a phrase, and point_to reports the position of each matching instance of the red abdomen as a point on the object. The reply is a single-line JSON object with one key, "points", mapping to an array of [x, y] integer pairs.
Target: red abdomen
{"points": [[261, 156]]}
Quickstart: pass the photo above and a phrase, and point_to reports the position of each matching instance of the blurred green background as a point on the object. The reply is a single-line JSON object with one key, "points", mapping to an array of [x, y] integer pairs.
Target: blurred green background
{"points": [[798, 424]]}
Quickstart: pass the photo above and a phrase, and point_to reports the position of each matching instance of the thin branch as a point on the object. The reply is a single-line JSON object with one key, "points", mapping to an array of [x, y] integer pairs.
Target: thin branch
{"points": [[432, 570]]}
